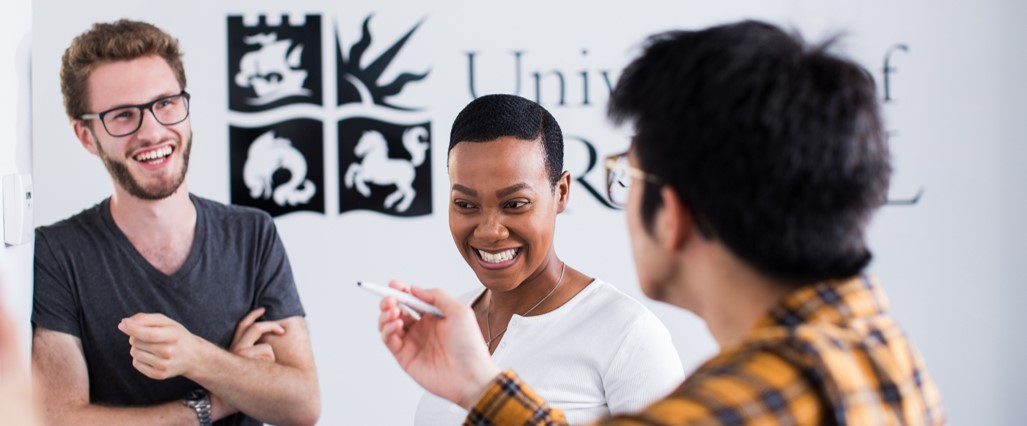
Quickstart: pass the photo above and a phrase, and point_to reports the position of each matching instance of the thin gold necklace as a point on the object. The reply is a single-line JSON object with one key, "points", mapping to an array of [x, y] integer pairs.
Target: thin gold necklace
{"points": [[488, 310]]}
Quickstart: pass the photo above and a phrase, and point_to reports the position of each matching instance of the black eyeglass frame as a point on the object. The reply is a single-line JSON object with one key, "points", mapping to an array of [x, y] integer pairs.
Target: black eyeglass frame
{"points": [[142, 110]]}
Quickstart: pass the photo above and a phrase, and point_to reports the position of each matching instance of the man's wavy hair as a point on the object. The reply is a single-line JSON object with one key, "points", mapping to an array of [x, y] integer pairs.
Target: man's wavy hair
{"points": [[108, 42]]}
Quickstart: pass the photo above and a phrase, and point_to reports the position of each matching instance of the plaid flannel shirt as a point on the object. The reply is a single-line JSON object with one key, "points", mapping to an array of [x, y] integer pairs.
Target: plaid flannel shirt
{"points": [[828, 354]]}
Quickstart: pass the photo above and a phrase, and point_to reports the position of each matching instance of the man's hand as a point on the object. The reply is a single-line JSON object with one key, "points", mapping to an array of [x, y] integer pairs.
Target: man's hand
{"points": [[248, 341], [161, 347], [245, 344], [446, 356]]}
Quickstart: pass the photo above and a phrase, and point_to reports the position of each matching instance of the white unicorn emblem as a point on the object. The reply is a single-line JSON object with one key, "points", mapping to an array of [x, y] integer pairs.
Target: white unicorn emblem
{"points": [[268, 154], [376, 167]]}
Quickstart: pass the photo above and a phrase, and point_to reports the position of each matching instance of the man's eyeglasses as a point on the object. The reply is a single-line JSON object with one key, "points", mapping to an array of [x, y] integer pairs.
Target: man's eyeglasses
{"points": [[125, 120], [619, 175]]}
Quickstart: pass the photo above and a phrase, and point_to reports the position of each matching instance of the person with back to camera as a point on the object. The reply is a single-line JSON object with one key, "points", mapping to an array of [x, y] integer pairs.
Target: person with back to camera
{"points": [[757, 163], [593, 350]]}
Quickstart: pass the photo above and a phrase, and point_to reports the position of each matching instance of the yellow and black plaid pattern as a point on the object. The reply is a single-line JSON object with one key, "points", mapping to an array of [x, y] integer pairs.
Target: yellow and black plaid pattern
{"points": [[828, 354]]}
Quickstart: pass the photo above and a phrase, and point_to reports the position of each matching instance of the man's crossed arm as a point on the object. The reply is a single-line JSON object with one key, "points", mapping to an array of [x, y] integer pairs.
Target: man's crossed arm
{"points": [[267, 373]]}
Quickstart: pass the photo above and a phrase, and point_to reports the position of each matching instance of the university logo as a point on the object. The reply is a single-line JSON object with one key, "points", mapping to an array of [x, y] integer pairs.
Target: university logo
{"points": [[278, 115]]}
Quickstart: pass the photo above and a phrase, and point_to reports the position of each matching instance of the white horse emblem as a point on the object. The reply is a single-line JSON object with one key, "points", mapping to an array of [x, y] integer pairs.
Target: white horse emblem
{"points": [[267, 155], [376, 167]]}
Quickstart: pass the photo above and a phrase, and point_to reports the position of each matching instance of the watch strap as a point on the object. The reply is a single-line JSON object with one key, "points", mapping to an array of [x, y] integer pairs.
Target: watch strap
{"points": [[199, 401]]}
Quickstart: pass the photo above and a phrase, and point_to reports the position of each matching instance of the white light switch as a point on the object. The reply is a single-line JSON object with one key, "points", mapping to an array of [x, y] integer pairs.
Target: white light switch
{"points": [[17, 209]]}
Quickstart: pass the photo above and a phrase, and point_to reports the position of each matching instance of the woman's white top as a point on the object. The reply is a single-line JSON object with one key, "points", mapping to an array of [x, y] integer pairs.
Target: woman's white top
{"points": [[600, 353]]}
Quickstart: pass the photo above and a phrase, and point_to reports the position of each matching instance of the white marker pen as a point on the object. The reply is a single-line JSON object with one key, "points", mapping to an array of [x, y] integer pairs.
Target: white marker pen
{"points": [[406, 300]]}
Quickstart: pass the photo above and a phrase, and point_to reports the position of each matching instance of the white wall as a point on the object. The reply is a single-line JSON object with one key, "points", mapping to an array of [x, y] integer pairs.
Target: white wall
{"points": [[1013, 207], [950, 264], [16, 157]]}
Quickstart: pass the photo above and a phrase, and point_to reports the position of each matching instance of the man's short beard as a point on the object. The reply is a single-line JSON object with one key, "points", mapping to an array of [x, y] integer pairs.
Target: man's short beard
{"points": [[122, 177]]}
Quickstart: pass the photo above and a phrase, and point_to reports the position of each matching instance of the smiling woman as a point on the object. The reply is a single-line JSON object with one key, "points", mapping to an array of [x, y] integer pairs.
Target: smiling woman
{"points": [[594, 350]]}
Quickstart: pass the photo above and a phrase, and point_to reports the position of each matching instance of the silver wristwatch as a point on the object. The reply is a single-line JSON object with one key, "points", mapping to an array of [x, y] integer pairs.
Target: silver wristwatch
{"points": [[199, 400]]}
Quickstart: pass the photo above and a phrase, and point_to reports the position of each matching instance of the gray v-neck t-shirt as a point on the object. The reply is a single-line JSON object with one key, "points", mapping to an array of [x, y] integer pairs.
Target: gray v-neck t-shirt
{"points": [[88, 276]]}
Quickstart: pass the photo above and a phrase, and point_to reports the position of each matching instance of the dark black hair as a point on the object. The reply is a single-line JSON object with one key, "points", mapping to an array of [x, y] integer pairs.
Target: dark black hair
{"points": [[491, 117], [776, 147]]}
